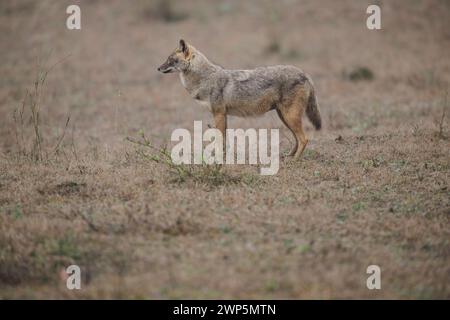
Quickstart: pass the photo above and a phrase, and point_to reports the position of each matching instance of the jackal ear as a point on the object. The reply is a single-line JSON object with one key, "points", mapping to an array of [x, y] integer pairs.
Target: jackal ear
{"points": [[184, 47]]}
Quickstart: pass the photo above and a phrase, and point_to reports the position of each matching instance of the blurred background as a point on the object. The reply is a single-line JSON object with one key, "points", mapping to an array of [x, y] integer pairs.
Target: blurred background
{"points": [[107, 79]]}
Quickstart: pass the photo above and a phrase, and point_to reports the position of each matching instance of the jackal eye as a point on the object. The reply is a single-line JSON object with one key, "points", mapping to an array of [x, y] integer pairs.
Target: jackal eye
{"points": [[171, 60]]}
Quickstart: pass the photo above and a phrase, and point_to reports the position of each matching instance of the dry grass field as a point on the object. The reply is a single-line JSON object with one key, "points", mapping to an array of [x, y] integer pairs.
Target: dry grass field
{"points": [[373, 187]]}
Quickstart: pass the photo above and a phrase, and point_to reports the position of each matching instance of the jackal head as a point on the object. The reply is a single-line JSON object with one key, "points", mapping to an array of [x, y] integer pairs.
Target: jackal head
{"points": [[178, 60]]}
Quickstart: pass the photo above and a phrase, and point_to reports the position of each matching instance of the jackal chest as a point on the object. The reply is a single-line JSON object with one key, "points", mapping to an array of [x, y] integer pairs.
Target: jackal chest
{"points": [[204, 103], [199, 94], [201, 97]]}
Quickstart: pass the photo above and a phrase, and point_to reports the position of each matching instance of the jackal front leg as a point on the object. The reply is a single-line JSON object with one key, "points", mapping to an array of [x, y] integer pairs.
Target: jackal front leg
{"points": [[220, 119]]}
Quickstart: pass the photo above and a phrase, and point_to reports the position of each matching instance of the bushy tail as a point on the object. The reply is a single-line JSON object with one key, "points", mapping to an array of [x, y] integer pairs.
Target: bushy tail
{"points": [[312, 111]]}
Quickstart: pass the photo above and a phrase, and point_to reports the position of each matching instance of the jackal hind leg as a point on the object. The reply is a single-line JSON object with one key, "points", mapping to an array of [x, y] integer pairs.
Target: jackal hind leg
{"points": [[292, 118], [295, 147]]}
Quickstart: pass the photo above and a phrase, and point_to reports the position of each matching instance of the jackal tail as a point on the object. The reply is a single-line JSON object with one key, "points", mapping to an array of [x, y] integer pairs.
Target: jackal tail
{"points": [[312, 111]]}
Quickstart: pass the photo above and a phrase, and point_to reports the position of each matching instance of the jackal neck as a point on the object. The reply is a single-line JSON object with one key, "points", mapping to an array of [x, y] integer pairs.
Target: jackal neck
{"points": [[200, 69]]}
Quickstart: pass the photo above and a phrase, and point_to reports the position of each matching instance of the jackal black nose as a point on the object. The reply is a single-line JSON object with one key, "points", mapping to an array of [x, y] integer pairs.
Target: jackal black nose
{"points": [[159, 68]]}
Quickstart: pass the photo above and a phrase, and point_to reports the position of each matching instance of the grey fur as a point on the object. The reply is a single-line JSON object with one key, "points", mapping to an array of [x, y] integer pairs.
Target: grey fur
{"points": [[240, 92], [286, 89]]}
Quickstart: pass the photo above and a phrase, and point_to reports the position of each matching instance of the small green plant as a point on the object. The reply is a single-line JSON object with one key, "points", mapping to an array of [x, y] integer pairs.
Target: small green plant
{"points": [[273, 33], [274, 46], [17, 212], [161, 9], [32, 102], [373, 162], [416, 131], [358, 206], [272, 285], [304, 248], [210, 175], [441, 121], [65, 247], [359, 73]]}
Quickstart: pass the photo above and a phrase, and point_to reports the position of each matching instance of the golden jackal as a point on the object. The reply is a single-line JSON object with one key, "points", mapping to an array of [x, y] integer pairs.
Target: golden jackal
{"points": [[247, 92]]}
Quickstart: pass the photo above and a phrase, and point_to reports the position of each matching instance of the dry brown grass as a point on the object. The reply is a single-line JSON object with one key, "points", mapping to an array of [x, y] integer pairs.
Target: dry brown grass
{"points": [[371, 188]]}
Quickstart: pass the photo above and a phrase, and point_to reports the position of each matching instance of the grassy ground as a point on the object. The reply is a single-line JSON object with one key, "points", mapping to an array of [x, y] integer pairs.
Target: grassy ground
{"points": [[371, 188]]}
